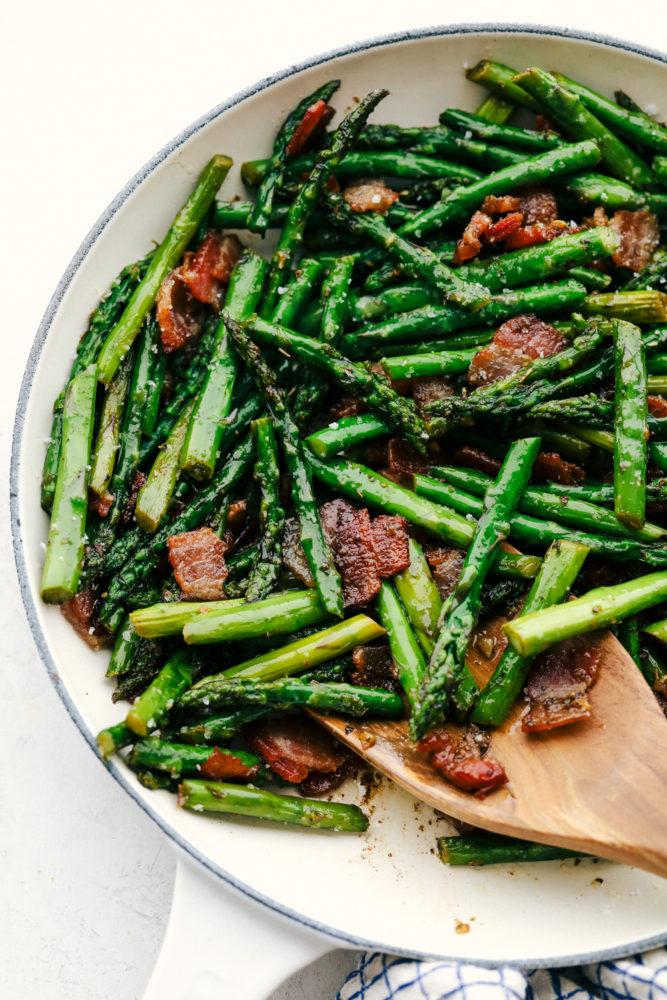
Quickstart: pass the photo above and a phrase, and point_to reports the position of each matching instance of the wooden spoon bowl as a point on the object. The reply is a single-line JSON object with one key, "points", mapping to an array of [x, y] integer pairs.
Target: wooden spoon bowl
{"points": [[597, 786]]}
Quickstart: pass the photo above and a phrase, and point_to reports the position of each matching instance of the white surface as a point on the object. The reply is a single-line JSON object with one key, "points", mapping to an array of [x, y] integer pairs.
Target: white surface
{"points": [[87, 877]]}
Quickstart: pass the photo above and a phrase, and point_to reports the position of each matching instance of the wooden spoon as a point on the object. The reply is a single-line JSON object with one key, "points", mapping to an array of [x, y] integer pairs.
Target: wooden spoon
{"points": [[597, 786]]}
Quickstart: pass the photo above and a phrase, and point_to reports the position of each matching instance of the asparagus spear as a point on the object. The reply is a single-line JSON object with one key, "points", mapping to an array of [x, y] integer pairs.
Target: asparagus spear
{"points": [[658, 630], [297, 293], [419, 596], [431, 363], [309, 652], [653, 669], [561, 565], [599, 608], [64, 553], [155, 495], [216, 729], [405, 651], [185, 759], [569, 111], [375, 390], [416, 261], [346, 433], [318, 554], [336, 302], [209, 796], [101, 320], [362, 484], [108, 434], [392, 300], [272, 516], [495, 109], [447, 668], [492, 849], [386, 163], [260, 216], [463, 201], [627, 633], [328, 160], [152, 706], [206, 426], [163, 260], [135, 571], [630, 431], [113, 739], [234, 619], [634, 125], [501, 81], [431, 320], [287, 692], [499, 133], [634, 306]]}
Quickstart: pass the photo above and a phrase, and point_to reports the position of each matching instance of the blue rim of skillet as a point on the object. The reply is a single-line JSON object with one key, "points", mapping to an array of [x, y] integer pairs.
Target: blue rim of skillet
{"points": [[29, 599]]}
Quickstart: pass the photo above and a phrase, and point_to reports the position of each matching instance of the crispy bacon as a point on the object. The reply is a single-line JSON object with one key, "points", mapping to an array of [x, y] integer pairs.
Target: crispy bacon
{"points": [[494, 205], [322, 782], [198, 560], [227, 767], [294, 556], [403, 460], [374, 667], [475, 458], [348, 534], [390, 542], [346, 406], [494, 362], [537, 204], [514, 344], [209, 269], [101, 505], [531, 236], [558, 684], [500, 231], [293, 747], [553, 468], [463, 760], [470, 243], [370, 197], [430, 388], [446, 565], [640, 235], [657, 406], [314, 120], [175, 310], [81, 612]]}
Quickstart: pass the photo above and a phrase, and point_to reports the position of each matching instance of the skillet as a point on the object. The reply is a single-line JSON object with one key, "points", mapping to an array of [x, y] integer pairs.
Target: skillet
{"points": [[385, 890]]}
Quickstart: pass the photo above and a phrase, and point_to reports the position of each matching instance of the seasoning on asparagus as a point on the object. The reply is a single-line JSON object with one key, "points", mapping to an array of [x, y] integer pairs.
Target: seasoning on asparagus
{"points": [[272, 516], [630, 430]]}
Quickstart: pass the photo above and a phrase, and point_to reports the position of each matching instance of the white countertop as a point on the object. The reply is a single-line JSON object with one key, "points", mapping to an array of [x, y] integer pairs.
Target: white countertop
{"points": [[92, 91]]}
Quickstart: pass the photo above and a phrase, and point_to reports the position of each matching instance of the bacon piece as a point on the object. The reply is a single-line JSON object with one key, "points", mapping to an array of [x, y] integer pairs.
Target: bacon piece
{"points": [[322, 782], [657, 406], [374, 667], [531, 336], [531, 236], [209, 269], [348, 534], [293, 746], [475, 458], [390, 542], [552, 468], [494, 362], [175, 310], [640, 235], [403, 460], [370, 197], [558, 684], [429, 389], [314, 120], [139, 480], [537, 204], [81, 612], [470, 243], [493, 205], [347, 406], [446, 565], [294, 556], [198, 560], [514, 344], [502, 229], [101, 505], [462, 759], [227, 767]]}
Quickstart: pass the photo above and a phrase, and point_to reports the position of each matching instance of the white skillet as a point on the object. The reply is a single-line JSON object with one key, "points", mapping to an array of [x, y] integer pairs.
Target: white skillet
{"points": [[385, 890]]}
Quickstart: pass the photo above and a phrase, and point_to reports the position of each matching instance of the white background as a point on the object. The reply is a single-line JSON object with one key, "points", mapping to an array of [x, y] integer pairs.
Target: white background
{"points": [[90, 92]]}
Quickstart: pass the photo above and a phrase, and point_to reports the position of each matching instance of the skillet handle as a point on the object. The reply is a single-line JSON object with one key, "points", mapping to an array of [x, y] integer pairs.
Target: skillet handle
{"points": [[219, 943]]}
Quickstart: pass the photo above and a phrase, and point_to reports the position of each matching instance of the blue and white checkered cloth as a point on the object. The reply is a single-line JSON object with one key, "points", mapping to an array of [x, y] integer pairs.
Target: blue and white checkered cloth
{"points": [[380, 977]]}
